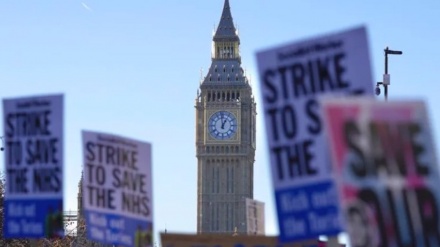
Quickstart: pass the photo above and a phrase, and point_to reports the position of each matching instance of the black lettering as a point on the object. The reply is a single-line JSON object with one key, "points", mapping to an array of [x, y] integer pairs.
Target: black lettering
{"points": [[298, 77], [312, 77], [129, 180], [41, 151], [10, 130], [116, 180], [100, 175], [110, 155], [324, 74], [312, 112], [272, 113], [141, 178], [100, 155], [277, 151], [268, 75], [382, 141], [17, 181], [418, 149], [14, 152], [357, 162], [308, 157], [369, 197], [101, 197], [296, 159], [28, 124], [340, 70], [356, 92], [46, 179], [90, 172], [395, 216], [429, 216], [90, 154], [284, 84], [125, 158], [390, 143], [307, 78], [133, 159], [288, 120], [136, 204]]}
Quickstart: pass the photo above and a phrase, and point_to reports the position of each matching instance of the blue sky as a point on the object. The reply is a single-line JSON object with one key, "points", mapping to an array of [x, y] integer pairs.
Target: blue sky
{"points": [[132, 68]]}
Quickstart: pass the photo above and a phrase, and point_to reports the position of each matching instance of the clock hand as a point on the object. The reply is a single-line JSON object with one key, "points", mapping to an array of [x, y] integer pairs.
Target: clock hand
{"points": [[223, 124]]}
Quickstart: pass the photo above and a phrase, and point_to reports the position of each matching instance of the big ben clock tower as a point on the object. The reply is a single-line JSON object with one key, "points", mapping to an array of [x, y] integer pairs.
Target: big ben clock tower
{"points": [[225, 136]]}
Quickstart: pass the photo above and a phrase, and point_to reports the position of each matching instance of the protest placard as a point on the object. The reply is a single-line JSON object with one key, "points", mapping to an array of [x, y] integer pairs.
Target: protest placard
{"points": [[33, 146], [292, 77], [117, 190], [222, 240], [387, 172], [255, 217]]}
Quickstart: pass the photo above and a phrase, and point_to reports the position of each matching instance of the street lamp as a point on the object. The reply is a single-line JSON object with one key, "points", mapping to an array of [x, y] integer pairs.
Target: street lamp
{"points": [[386, 77]]}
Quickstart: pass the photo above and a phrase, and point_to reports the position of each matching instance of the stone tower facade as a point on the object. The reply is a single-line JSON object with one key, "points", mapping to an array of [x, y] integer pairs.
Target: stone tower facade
{"points": [[225, 136]]}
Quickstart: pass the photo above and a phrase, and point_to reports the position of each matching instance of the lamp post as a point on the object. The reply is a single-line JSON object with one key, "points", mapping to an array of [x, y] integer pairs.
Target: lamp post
{"points": [[386, 77]]}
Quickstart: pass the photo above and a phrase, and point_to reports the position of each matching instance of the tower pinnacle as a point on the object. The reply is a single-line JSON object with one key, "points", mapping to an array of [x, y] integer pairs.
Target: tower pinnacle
{"points": [[226, 30]]}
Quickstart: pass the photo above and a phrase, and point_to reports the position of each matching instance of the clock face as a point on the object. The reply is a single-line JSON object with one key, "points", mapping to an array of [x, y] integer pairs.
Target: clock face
{"points": [[222, 125]]}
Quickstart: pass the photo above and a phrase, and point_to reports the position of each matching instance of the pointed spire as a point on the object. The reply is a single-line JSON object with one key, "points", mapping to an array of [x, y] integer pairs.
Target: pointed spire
{"points": [[226, 29]]}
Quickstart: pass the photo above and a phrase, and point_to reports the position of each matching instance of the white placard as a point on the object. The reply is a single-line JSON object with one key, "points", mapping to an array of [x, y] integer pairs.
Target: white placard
{"points": [[292, 77], [33, 146], [117, 189]]}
